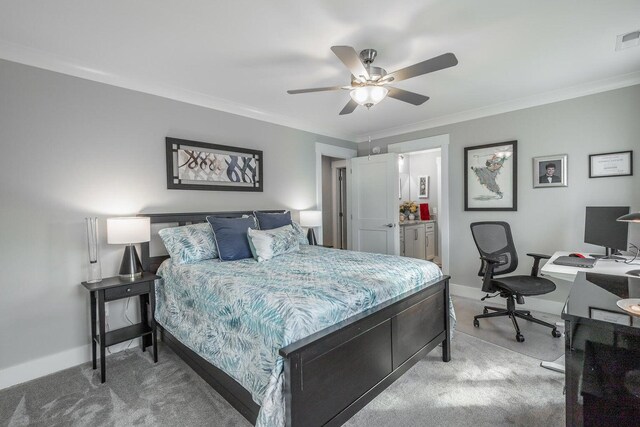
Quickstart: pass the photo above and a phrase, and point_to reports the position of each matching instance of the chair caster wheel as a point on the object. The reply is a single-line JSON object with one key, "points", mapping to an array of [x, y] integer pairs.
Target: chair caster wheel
{"points": [[485, 311], [476, 323], [556, 333], [519, 338]]}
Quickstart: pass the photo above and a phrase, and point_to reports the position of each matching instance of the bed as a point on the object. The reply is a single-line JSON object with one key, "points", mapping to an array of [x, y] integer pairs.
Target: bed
{"points": [[311, 336]]}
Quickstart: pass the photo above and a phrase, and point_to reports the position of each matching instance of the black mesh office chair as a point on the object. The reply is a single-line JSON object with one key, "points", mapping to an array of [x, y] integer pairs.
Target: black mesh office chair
{"points": [[499, 256]]}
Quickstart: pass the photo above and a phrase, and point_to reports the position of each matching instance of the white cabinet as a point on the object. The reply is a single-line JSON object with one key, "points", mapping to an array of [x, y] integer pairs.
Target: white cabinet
{"points": [[414, 241], [430, 240], [418, 240]]}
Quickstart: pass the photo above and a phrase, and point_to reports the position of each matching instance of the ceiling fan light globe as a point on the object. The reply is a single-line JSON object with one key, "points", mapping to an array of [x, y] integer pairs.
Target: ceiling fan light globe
{"points": [[369, 96]]}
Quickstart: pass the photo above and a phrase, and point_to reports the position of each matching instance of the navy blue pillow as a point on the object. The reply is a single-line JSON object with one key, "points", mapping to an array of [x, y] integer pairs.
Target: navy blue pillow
{"points": [[230, 235], [269, 221]]}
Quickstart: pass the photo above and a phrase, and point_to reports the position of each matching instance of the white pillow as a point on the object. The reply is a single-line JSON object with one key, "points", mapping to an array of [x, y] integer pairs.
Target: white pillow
{"points": [[266, 244]]}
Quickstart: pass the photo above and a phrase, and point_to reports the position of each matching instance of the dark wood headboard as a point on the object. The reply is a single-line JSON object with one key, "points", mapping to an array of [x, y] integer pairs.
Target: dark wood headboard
{"points": [[152, 263]]}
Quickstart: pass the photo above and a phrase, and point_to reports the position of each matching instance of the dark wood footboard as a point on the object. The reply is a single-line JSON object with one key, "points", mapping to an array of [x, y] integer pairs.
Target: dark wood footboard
{"points": [[331, 375]]}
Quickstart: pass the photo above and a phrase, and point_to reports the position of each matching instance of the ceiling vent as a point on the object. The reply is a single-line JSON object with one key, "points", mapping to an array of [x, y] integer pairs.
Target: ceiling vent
{"points": [[625, 41]]}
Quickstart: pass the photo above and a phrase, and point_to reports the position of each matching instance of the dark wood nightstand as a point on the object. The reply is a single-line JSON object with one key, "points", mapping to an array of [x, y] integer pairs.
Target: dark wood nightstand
{"points": [[115, 288]]}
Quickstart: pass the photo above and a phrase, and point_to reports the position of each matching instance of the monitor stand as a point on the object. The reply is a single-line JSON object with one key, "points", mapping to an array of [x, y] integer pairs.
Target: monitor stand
{"points": [[609, 254]]}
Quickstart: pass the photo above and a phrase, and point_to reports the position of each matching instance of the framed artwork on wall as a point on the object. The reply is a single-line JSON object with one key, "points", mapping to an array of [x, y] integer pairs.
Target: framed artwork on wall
{"points": [[491, 177], [193, 165], [550, 171], [423, 187], [611, 164]]}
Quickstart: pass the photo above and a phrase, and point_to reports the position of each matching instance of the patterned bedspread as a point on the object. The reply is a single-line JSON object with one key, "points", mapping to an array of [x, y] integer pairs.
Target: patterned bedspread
{"points": [[237, 315]]}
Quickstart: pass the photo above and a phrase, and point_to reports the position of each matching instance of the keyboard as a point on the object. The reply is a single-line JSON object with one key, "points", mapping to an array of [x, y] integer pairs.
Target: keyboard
{"points": [[578, 262]]}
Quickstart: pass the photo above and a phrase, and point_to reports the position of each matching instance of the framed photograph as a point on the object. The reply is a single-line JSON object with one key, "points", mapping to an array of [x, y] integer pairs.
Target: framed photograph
{"points": [[550, 171], [193, 165], [423, 187], [491, 177], [611, 164]]}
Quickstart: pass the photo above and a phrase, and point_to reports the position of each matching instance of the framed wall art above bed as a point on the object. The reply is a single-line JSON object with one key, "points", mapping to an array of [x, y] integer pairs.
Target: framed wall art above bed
{"points": [[193, 165]]}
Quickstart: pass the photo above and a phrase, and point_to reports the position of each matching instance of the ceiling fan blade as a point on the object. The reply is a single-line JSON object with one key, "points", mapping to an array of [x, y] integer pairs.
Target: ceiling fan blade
{"points": [[348, 109], [315, 89], [406, 96], [429, 66], [350, 58]]}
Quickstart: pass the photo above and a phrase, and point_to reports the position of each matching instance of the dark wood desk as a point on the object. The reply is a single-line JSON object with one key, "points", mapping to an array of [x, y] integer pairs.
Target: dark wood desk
{"points": [[112, 289], [602, 358]]}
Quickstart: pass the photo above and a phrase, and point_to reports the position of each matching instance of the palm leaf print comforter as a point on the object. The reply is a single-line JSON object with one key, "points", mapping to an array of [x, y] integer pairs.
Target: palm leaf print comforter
{"points": [[238, 314]]}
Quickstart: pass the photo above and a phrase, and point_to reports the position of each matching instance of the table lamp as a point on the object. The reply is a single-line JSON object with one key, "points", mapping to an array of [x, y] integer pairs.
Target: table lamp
{"points": [[632, 217], [128, 231], [311, 219]]}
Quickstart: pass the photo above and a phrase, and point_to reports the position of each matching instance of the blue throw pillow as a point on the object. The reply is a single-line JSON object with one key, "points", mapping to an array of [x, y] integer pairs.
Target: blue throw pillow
{"points": [[230, 235], [269, 221]]}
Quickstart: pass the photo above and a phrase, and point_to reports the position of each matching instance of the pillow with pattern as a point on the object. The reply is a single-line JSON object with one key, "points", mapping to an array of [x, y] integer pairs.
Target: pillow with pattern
{"points": [[266, 244], [302, 236], [189, 243]]}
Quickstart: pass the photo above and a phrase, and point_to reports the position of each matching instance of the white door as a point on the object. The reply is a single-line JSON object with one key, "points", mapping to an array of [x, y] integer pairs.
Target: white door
{"points": [[373, 204]]}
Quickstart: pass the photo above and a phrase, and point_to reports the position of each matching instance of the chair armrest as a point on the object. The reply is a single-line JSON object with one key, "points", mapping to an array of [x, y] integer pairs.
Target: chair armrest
{"points": [[539, 256], [536, 263]]}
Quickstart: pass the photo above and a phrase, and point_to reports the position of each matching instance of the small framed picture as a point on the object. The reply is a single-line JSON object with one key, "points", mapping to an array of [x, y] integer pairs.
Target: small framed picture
{"points": [[550, 171], [611, 164], [423, 187]]}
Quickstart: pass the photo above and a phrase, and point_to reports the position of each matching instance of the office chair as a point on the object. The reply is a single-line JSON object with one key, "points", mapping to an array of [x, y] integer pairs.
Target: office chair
{"points": [[498, 256]]}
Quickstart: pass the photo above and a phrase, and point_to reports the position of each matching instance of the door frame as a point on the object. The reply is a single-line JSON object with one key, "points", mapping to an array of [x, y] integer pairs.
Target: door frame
{"points": [[442, 142], [335, 165], [329, 151]]}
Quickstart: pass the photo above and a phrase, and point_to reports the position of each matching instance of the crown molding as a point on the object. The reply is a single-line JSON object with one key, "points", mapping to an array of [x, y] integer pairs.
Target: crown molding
{"points": [[571, 92], [59, 64]]}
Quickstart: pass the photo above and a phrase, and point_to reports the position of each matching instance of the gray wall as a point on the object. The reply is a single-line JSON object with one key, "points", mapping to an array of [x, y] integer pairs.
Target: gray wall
{"points": [[547, 219], [72, 148]]}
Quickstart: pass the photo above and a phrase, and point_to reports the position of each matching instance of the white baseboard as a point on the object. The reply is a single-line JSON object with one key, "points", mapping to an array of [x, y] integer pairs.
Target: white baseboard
{"points": [[52, 363], [530, 303]]}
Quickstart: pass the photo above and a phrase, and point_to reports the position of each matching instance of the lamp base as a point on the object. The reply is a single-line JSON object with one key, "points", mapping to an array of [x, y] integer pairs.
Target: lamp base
{"points": [[130, 267], [311, 237]]}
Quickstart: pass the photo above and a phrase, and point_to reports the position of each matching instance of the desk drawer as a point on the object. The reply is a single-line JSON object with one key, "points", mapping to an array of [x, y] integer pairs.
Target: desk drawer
{"points": [[126, 291]]}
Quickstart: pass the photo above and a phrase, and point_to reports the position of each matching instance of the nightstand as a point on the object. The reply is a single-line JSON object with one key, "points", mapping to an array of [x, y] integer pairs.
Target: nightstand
{"points": [[113, 289]]}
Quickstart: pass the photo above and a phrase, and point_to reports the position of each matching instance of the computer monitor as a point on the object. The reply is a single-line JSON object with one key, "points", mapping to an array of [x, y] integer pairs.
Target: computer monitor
{"points": [[602, 229]]}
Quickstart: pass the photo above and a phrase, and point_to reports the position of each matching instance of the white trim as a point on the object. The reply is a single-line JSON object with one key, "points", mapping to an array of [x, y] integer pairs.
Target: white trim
{"points": [[72, 67], [53, 363], [571, 92], [530, 303], [442, 142], [330, 151]]}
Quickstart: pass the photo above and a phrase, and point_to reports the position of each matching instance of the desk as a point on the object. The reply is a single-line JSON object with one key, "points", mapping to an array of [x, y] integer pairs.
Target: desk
{"points": [[602, 359], [602, 266]]}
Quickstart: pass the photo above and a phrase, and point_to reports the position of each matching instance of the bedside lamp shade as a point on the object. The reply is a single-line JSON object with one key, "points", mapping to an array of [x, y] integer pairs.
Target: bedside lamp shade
{"points": [[311, 219], [128, 231]]}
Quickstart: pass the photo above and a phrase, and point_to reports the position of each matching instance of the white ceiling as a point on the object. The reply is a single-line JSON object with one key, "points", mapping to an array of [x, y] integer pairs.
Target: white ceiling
{"points": [[241, 56]]}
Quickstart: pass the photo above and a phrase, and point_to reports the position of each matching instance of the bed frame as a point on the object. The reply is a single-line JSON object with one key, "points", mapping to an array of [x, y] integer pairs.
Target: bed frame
{"points": [[332, 374]]}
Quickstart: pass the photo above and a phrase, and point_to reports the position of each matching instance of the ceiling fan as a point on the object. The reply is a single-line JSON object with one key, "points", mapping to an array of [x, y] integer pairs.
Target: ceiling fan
{"points": [[369, 83]]}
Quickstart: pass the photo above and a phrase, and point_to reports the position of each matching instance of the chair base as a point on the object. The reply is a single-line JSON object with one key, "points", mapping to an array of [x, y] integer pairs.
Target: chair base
{"points": [[512, 313]]}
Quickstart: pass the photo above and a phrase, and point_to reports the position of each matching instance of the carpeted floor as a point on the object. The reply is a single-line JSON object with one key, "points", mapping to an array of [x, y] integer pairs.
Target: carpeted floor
{"points": [[483, 385], [538, 342]]}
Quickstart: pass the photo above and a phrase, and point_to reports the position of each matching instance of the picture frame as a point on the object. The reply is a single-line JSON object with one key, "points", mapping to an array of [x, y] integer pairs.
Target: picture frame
{"points": [[423, 186], [606, 165], [550, 171], [194, 165], [491, 177]]}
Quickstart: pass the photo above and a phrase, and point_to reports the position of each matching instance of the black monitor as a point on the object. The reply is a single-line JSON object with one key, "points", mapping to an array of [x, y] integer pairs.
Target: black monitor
{"points": [[602, 229]]}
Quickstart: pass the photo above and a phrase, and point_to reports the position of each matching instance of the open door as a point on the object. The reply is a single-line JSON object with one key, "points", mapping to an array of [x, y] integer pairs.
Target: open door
{"points": [[373, 191]]}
